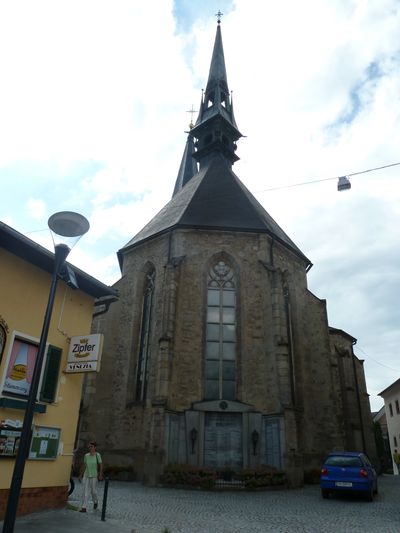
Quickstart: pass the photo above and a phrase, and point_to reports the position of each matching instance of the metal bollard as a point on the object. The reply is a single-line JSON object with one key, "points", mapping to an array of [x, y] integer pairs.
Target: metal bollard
{"points": [[103, 509]]}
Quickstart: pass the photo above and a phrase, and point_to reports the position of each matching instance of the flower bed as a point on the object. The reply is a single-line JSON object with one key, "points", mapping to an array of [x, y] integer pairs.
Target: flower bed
{"points": [[193, 476], [262, 476], [120, 473], [206, 478], [312, 476]]}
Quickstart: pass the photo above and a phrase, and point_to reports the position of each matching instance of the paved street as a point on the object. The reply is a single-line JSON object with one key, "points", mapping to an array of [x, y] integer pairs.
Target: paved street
{"points": [[133, 508]]}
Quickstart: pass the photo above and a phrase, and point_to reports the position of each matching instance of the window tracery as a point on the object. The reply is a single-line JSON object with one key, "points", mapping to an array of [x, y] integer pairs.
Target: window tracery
{"points": [[221, 333]]}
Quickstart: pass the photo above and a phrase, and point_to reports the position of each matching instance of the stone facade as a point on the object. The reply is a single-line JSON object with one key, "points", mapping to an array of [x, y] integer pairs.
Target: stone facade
{"points": [[292, 370]]}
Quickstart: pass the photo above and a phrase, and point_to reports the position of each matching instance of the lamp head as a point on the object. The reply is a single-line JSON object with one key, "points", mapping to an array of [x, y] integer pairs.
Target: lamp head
{"points": [[67, 228]]}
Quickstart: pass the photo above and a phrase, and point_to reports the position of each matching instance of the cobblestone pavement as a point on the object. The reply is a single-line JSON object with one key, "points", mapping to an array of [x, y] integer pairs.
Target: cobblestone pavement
{"points": [[151, 510]]}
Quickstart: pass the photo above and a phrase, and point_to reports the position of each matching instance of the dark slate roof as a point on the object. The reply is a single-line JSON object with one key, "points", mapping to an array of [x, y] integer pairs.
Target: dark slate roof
{"points": [[216, 199], [28, 250]]}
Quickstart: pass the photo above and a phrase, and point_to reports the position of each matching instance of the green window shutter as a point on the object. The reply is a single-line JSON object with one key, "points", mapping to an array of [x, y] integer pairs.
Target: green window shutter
{"points": [[50, 374]]}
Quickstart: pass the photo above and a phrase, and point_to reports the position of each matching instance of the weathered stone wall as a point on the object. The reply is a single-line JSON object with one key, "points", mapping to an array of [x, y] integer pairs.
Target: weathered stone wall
{"points": [[285, 364], [110, 414], [351, 395], [366, 415]]}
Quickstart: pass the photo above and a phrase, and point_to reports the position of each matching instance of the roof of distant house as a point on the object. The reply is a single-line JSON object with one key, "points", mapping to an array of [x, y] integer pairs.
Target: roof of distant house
{"points": [[392, 386]]}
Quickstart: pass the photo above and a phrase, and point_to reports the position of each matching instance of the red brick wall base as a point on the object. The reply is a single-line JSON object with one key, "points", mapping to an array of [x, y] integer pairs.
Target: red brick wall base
{"points": [[35, 499]]}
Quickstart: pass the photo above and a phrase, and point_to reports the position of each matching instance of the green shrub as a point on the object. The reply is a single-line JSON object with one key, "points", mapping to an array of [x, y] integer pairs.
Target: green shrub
{"points": [[194, 476], [262, 476], [116, 471], [312, 476]]}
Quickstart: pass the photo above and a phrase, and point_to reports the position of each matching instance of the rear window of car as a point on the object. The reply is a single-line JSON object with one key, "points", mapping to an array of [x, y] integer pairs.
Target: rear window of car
{"points": [[342, 460]]}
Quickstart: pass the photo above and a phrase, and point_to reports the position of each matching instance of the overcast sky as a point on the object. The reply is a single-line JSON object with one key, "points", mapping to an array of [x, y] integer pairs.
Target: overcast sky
{"points": [[93, 113]]}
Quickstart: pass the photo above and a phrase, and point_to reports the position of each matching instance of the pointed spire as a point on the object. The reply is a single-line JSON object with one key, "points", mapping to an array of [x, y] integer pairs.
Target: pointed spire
{"points": [[215, 129], [217, 73], [188, 167]]}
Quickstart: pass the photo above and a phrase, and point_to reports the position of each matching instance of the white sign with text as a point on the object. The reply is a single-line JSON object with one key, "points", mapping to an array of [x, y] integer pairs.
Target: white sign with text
{"points": [[84, 353]]}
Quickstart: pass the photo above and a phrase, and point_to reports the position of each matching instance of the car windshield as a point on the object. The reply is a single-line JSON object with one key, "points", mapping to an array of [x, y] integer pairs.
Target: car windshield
{"points": [[343, 460]]}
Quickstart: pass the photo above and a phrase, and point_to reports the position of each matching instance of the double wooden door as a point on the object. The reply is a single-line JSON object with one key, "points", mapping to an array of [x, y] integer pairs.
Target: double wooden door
{"points": [[223, 440]]}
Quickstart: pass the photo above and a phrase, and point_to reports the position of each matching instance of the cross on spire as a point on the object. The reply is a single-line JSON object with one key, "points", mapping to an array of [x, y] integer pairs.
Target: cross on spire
{"points": [[191, 111], [219, 15]]}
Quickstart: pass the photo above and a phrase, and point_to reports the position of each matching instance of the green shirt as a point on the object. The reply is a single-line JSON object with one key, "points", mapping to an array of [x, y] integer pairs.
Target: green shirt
{"points": [[91, 464]]}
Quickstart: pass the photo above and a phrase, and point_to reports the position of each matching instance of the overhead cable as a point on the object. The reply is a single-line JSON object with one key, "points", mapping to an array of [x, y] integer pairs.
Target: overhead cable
{"points": [[328, 179]]}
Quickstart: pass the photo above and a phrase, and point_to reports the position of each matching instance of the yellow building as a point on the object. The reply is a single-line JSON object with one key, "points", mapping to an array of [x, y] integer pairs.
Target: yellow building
{"points": [[25, 277]]}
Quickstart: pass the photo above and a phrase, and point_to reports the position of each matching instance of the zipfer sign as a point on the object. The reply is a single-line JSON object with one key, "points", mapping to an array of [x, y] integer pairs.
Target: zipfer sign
{"points": [[84, 353]]}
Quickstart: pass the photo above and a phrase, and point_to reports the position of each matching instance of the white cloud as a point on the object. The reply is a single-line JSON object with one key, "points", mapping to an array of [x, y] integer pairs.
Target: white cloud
{"points": [[36, 208]]}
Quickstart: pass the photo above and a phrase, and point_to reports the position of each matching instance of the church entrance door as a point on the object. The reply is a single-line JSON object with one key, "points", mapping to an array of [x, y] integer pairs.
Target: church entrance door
{"points": [[223, 440]]}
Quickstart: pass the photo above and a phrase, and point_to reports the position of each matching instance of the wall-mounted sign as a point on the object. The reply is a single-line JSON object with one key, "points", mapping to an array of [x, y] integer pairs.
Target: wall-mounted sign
{"points": [[11, 423], [84, 353], [45, 442]]}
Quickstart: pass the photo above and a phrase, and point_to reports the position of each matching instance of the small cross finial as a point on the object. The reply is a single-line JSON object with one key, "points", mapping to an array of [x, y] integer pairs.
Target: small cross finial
{"points": [[191, 111], [219, 15]]}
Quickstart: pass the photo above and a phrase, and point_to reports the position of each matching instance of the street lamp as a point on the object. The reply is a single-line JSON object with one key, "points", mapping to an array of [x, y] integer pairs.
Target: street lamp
{"points": [[66, 230]]}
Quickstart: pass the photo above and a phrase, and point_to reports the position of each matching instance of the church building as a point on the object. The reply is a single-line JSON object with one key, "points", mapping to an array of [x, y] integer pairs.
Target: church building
{"points": [[216, 353]]}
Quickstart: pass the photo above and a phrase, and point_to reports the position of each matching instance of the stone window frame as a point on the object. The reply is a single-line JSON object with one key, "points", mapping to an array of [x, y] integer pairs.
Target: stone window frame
{"points": [[222, 274], [145, 332]]}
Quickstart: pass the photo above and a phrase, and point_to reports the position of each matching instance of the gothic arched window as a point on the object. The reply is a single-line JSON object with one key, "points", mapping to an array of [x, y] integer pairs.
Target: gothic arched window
{"points": [[221, 333], [145, 335]]}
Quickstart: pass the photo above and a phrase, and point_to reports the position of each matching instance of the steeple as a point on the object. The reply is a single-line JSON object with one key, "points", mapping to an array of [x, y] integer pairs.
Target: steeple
{"points": [[188, 166], [215, 129], [213, 198]]}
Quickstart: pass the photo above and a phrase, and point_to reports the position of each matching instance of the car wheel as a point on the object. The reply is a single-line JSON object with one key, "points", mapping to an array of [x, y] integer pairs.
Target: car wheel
{"points": [[325, 493], [370, 494]]}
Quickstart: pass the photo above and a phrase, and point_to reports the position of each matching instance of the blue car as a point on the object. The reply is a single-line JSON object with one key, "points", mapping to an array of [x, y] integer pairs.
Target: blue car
{"points": [[348, 472]]}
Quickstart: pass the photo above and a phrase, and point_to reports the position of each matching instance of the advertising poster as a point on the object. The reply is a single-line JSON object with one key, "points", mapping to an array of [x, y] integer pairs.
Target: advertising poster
{"points": [[20, 368]]}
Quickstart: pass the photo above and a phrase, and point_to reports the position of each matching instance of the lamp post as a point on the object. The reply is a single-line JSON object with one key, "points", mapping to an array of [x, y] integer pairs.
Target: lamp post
{"points": [[66, 229]]}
